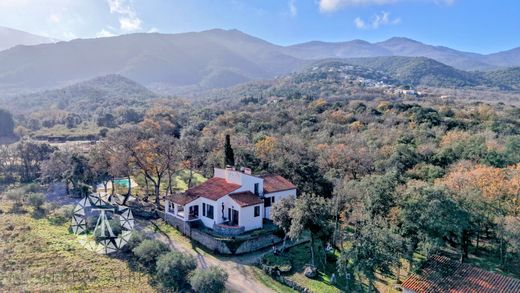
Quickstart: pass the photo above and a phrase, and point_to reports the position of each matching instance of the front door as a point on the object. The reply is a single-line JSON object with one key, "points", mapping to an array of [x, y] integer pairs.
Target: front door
{"points": [[233, 217], [234, 221]]}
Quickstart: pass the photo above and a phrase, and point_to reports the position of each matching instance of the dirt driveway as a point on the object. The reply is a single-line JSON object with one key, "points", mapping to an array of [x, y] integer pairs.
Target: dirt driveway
{"points": [[239, 268]]}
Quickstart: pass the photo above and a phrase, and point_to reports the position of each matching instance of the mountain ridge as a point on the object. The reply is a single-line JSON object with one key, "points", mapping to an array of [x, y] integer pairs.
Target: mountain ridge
{"points": [[173, 63], [10, 38]]}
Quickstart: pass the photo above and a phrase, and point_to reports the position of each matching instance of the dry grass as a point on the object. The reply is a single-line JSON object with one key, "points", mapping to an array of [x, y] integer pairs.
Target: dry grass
{"points": [[38, 256]]}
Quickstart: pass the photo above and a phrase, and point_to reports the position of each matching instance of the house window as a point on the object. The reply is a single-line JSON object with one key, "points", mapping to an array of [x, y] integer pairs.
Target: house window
{"points": [[272, 199], [267, 202], [257, 188], [209, 213], [204, 209], [257, 211]]}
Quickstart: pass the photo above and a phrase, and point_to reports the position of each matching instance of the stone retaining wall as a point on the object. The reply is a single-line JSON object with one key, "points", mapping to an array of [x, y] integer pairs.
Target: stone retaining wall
{"points": [[215, 245], [221, 246], [228, 231], [258, 243], [177, 223]]}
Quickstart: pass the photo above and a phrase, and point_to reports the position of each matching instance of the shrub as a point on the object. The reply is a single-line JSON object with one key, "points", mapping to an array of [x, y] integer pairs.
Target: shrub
{"points": [[208, 281], [17, 195], [61, 215], [36, 200], [148, 251], [135, 239], [277, 262], [173, 269], [31, 187], [115, 225]]}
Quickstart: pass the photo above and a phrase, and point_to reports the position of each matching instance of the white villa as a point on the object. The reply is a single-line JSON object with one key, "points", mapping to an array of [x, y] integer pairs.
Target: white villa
{"points": [[231, 202]]}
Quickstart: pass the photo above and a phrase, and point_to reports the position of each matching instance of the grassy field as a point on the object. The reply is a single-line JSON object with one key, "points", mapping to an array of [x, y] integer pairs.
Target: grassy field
{"points": [[82, 130], [299, 257], [36, 255]]}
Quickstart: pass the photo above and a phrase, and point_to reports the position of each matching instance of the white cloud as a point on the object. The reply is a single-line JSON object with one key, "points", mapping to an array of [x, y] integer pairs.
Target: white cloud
{"points": [[104, 34], [444, 2], [334, 5], [68, 35], [153, 30], [380, 19], [130, 24], [55, 18], [359, 23], [128, 19], [292, 7]]}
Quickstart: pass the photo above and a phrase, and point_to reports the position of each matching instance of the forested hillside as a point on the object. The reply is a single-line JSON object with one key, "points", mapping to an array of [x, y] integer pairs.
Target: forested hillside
{"points": [[106, 92]]}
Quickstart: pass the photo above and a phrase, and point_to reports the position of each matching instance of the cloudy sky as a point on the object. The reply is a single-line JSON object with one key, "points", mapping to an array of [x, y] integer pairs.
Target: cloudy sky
{"points": [[473, 25]]}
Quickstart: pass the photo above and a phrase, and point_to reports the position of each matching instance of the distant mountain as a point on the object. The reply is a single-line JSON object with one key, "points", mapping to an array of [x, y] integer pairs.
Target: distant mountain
{"points": [[505, 59], [209, 59], [107, 92], [458, 59], [187, 62], [10, 38], [322, 50], [405, 47]]}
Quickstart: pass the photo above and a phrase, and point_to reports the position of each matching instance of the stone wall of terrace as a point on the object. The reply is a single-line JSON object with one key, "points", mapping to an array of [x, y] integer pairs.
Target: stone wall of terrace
{"points": [[228, 231], [228, 245]]}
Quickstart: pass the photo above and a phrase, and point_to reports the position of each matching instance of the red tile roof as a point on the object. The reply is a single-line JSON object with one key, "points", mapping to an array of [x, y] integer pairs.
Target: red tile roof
{"points": [[441, 274], [182, 199], [214, 188], [274, 183], [245, 198]]}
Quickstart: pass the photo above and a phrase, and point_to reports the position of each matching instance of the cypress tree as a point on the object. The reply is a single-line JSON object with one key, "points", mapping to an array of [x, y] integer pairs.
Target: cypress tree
{"points": [[6, 123], [229, 156]]}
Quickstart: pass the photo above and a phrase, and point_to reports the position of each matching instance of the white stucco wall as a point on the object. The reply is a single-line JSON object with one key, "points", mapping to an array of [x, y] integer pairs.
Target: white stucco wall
{"points": [[207, 221], [246, 182], [248, 219], [246, 214], [278, 196]]}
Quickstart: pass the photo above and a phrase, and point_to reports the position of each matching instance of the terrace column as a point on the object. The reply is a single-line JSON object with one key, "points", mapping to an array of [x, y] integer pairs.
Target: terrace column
{"points": [[167, 206]]}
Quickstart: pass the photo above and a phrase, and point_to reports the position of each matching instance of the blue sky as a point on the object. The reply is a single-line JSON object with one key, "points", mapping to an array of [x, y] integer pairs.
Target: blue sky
{"points": [[471, 25]]}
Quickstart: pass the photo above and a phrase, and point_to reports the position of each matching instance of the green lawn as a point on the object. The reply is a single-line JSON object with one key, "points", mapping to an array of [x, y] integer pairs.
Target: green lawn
{"points": [[300, 256], [270, 282]]}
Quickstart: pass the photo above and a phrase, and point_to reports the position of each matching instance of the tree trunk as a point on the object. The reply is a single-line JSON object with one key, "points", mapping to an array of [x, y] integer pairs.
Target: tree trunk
{"points": [[67, 188], [105, 184], [478, 240], [284, 241], [147, 187], [190, 177], [312, 251], [158, 192], [129, 186], [464, 246], [169, 188], [113, 186]]}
